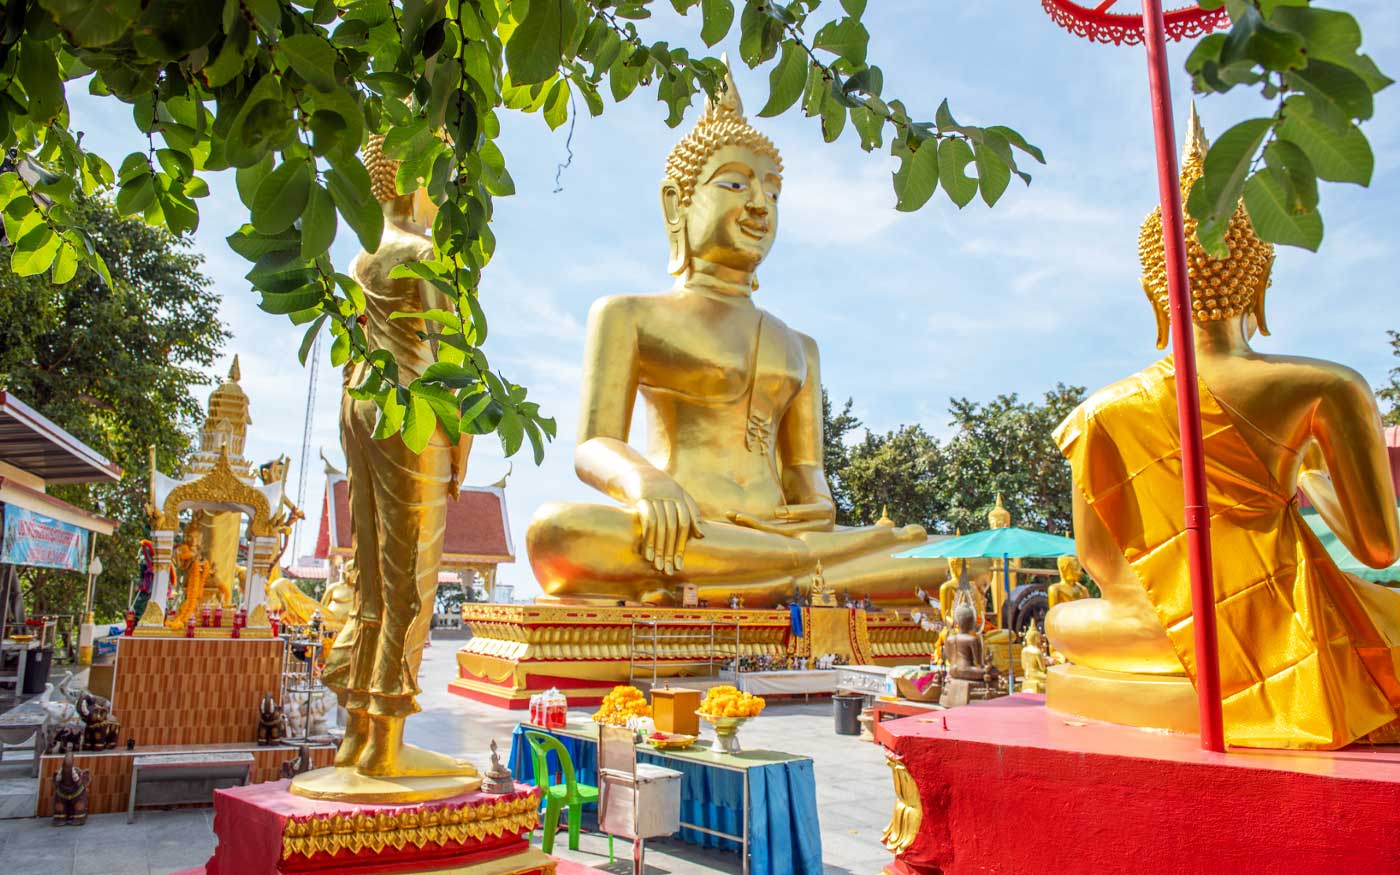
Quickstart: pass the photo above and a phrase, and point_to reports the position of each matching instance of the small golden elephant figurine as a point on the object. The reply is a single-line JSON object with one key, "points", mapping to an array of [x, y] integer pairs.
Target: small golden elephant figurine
{"points": [[70, 793], [269, 721], [101, 730]]}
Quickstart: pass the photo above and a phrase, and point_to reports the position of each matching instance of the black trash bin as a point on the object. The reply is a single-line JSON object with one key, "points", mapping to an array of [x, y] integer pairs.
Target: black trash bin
{"points": [[36, 669], [847, 707]]}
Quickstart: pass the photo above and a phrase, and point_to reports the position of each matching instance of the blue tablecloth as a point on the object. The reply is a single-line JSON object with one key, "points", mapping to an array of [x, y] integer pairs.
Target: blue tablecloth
{"points": [[784, 836]]}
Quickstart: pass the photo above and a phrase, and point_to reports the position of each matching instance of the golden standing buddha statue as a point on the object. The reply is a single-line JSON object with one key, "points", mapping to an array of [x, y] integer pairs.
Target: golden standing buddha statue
{"points": [[398, 506], [1308, 654], [731, 495]]}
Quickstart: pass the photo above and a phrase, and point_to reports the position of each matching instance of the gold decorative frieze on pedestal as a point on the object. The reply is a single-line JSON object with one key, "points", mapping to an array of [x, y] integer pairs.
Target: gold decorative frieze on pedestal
{"points": [[419, 826]]}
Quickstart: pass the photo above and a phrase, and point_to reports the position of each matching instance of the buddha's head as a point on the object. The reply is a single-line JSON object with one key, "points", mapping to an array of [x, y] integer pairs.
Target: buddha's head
{"points": [[416, 207], [1033, 636], [720, 194], [963, 618], [1070, 569], [955, 567], [1221, 288]]}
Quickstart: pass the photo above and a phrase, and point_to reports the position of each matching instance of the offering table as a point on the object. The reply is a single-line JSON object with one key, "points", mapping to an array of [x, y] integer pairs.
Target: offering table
{"points": [[762, 804]]}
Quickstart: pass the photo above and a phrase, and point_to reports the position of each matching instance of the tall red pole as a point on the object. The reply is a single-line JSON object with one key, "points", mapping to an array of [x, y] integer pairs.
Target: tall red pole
{"points": [[1188, 400]]}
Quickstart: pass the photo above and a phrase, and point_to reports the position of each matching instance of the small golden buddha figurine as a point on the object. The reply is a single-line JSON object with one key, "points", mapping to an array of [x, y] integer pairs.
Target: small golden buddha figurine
{"points": [[1307, 653], [731, 495], [1033, 662], [193, 569], [398, 506], [1068, 588]]}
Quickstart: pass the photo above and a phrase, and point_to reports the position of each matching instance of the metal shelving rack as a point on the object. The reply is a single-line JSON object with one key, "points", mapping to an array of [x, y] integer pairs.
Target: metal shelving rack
{"points": [[302, 682], [646, 637]]}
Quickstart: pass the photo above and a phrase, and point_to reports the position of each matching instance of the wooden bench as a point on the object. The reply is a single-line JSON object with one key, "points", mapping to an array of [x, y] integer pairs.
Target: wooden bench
{"points": [[184, 778]]}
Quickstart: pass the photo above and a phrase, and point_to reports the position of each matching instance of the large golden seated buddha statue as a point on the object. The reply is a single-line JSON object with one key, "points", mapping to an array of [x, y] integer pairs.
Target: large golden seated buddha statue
{"points": [[1308, 654], [731, 495]]}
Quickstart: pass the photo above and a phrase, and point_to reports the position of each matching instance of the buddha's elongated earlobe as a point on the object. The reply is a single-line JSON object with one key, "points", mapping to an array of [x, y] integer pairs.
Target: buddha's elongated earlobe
{"points": [[678, 258], [1258, 306], [1163, 321]]}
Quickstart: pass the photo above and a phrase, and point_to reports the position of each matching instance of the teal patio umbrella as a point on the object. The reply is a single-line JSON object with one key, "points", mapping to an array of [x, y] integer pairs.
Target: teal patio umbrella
{"points": [[1007, 543], [1340, 555]]}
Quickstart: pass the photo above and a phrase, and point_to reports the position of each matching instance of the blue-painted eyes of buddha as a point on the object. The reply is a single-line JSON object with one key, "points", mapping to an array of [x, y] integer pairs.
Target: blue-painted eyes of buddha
{"points": [[737, 185]]}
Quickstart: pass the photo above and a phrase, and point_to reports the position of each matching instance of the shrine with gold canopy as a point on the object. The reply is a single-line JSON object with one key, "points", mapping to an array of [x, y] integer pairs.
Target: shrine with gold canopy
{"points": [[231, 507]]}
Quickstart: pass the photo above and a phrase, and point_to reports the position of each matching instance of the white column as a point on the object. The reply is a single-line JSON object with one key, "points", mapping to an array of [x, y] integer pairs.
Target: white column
{"points": [[160, 588], [264, 550]]}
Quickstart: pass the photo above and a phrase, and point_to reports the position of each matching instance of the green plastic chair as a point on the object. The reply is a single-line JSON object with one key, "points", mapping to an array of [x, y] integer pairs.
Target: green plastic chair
{"points": [[571, 794]]}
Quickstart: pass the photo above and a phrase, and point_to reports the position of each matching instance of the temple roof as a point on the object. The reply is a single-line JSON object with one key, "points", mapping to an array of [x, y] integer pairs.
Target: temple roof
{"points": [[478, 529]]}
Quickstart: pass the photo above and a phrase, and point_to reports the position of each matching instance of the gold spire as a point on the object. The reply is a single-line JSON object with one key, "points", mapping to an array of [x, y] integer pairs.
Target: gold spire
{"points": [[234, 374], [999, 517], [884, 519], [1220, 288]]}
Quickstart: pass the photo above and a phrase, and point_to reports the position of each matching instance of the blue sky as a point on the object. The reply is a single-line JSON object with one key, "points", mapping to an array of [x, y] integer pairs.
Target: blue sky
{"points": [[909, 309]]}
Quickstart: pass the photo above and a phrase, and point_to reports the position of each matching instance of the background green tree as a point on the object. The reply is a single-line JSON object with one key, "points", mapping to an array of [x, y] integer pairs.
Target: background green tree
{"points": [[1003, 446], [117, 364], [1390, 392]]}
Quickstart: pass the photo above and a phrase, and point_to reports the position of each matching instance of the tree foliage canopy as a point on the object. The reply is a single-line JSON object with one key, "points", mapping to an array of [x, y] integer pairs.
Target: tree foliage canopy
{"points": [[285, 92], [1003, 446], [1390, 392], [116, 364]]}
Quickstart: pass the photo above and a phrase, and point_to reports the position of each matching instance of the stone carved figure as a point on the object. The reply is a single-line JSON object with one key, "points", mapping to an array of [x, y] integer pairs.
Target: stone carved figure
{"points": [[70, 793], [966, 659], [100, 727], [731, 495], [269, 721]]}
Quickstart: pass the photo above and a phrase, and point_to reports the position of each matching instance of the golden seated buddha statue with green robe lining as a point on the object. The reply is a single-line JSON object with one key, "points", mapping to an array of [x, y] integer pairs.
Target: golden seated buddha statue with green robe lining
{"points": [[1308, 654], [731, 495]]}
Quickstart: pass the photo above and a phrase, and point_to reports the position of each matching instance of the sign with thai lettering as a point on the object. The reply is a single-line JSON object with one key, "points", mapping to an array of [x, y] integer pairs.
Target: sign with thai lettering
{"points": [[34, 539]]}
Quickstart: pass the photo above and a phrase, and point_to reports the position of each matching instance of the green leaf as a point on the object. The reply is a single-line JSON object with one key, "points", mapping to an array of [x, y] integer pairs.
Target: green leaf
{"points": [[281, 198], [870, 127], [1294, 172], [854, 8], [1274, 219], [953, 157], [419, 421], [260, 124], [1214, 196], [833, 117], [65, 263], [917, 177], [349, 186], [92, 23], [1337, 156], [845, 37], [511, 431], [318, 223], [556, 105], [309, 338], [786, 80], [249, 178], [534, 47], [1337, 94], [340, 350], [391, 417], [134, 196], [478, 319], [1018, 141], [281, 303], [993, 174], [312, 58], [450, 375], [1332, 36], [718, 17], [437, 315], [38, 73]]}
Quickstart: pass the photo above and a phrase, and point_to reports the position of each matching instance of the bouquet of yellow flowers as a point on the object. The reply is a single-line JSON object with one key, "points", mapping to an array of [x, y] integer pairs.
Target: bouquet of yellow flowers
{"points": [[727, 701], [621, 704]]}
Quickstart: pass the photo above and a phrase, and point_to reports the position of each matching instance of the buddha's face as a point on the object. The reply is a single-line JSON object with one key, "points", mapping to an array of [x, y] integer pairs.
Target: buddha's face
{"points": [[732, 217], [1070, 569]]}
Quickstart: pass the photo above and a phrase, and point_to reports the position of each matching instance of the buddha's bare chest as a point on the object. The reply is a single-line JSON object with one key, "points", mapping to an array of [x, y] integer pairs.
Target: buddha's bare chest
{"points": [[716, 364]]}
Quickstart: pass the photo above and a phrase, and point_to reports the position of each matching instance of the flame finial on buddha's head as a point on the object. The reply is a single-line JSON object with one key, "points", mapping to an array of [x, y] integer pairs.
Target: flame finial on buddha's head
{"points": [[1221, 288]]}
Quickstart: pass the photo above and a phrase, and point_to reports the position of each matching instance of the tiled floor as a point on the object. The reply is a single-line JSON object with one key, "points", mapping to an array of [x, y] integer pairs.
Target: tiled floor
{"points": [[854, 798]]}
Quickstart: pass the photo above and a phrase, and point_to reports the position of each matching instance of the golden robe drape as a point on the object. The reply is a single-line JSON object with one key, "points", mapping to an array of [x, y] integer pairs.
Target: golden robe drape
{"points": [[1308, 655]]}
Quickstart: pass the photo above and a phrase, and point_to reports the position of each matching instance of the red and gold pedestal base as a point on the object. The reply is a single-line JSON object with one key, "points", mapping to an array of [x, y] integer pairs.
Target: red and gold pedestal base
{"points": [[1010, 786], [265, 830], [518, 650]]}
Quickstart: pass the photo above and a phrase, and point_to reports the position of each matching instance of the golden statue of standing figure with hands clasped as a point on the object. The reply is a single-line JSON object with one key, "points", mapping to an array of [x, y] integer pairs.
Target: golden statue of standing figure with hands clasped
{"points": [[398, 506]]}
